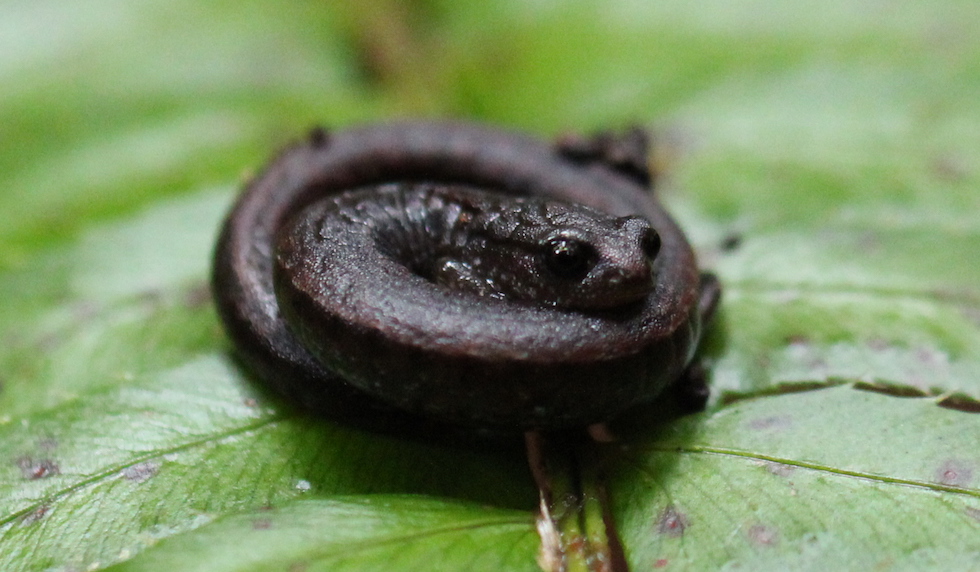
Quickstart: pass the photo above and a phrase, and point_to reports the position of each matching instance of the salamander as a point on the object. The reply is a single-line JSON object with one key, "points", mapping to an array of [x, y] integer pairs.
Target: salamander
{"points": [[463, 273]]}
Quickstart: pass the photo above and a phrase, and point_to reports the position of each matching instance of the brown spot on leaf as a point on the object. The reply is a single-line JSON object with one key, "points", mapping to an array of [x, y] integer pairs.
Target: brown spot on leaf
{"points": [[780, 469], [949, 168], [299, 566], [262, 524], [973, 513], [141, 472], [955, 473], [878, 344], [929, 356], [152, 297], [775, 422], [672, 522], [869, 242], [661, 563], [34, 469], [798, 340], [762, 535], [48, 343], [731, 242], [36, 515]]}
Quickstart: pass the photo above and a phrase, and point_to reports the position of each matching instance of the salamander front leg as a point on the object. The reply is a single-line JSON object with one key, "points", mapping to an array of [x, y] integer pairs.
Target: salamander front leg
{"points": [[626, 152]]}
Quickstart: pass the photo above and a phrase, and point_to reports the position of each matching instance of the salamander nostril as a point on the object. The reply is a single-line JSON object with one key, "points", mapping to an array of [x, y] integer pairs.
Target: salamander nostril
{"points": [[650, 243]]}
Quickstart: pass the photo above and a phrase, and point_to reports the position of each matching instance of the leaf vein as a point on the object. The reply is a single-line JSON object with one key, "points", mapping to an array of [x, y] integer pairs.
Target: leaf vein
{"points": [[113, 470]]}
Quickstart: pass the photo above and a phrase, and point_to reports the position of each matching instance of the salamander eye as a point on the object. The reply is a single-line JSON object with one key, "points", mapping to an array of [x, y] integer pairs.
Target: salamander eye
{"points": [[569, 258], [650, 243]]}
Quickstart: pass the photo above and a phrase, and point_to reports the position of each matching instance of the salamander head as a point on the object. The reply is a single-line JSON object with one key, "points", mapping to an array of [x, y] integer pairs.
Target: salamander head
{"points": [[601, 265], [558, 254]]}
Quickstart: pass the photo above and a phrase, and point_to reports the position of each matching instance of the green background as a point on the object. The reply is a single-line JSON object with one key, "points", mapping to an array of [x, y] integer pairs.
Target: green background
{"points": [[823, 156]]}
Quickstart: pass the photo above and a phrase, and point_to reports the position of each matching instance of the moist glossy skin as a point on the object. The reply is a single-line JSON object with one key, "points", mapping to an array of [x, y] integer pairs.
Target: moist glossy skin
{"points": [[544, 252], [399, 262]]}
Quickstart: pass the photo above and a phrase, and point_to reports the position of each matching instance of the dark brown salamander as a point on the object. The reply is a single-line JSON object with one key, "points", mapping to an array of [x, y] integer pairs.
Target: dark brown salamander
{"points": [[463, 273]]}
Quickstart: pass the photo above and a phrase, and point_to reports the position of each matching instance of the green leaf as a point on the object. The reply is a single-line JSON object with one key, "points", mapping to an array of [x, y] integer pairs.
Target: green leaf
{"points": [[824, 158], [362, 533], [825, 479]]}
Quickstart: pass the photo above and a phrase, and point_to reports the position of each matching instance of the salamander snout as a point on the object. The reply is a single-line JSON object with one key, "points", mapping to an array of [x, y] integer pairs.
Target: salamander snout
{"points": [[624, 271]]}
